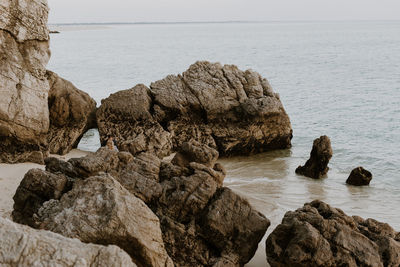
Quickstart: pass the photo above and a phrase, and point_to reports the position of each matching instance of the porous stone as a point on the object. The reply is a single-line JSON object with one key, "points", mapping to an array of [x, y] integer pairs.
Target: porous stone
{"points": [[317, 165], [359, 177]]}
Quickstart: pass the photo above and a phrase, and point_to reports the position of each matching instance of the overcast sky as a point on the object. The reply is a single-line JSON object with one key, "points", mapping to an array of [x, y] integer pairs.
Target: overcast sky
{"points": [[75, 11]]}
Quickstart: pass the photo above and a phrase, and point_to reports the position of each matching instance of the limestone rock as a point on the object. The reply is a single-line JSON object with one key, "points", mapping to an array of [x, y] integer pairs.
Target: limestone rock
{"points": [[359, 176], [320, 235], [126, 116], [72, 113], [24, 246], [317, 165], [223, 107], [24, 53], [202, 223], [99, 210]]}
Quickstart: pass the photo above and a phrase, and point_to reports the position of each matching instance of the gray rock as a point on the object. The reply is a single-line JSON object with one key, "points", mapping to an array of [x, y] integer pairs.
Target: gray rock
{"points": [[359, 177], [24, 246], [319, 235], [223, 107], [317, 165], [72, 113], [24, 53]]}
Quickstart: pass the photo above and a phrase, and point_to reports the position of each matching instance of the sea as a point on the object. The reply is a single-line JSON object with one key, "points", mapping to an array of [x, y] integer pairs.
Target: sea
{"points": [[340, 79]]}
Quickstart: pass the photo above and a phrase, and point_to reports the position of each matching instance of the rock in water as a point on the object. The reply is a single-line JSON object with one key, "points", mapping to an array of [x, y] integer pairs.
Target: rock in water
{"points": [[24, 53], [24, 246], [319, 235], [231, 110], [202, 223], [317, 165], [72, 113], [359, 176]]}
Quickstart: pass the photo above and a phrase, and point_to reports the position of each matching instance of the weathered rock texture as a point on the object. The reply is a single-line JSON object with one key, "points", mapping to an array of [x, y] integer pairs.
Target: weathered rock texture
{"points": [[24, 246], [359, 176], [317, 165], [72, 113], [24, 53], [319, 235], [231, 110], [202, 223]]}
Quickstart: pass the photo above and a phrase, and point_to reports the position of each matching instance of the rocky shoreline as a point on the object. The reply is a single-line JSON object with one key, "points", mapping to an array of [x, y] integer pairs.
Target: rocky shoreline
{"points": [[134, 207]]}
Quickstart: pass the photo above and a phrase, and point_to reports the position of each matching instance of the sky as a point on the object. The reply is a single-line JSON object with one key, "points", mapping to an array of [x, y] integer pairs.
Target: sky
{"points": [[103, 11]]}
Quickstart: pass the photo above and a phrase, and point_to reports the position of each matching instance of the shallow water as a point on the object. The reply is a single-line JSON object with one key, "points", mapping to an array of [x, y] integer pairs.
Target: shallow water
{"points": [[341, 79]]}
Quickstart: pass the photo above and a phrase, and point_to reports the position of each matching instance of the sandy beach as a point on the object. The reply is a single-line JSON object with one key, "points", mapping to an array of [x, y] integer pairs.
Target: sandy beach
{"points": [[12, 174]]}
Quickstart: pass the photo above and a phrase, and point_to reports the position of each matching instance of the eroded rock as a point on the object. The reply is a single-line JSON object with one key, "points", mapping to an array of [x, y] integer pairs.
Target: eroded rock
{"points": [[359, 177], [223, 107], [23, 246], [24, 53], [72, 113], [317, 165], [320, 235]]}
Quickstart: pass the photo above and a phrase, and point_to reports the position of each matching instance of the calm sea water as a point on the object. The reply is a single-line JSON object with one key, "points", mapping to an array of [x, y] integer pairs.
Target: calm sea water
{"points": [[340, 79]]}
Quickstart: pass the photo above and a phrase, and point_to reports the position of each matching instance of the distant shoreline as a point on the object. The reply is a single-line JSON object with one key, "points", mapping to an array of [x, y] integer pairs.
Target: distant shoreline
{"points": [[213, 22]]}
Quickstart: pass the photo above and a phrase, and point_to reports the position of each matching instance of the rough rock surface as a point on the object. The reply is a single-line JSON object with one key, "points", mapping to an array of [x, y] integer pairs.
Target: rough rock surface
{"points": [[317, 166], [202, 223], [359, 176], [72, 113], [24, 53], [320, 235], [24, 246], [231, 110]]}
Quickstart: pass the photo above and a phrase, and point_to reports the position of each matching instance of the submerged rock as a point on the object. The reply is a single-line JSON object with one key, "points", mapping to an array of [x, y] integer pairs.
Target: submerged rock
{"points": [[24, 246], [202, 223], [359, 176], [223, 107], [24, 53], [72, 113], [317, 166], [320, 235]]}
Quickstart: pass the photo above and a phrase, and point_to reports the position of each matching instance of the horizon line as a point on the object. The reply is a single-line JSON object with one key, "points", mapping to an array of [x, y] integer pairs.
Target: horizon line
{"points": [[216, 22]]}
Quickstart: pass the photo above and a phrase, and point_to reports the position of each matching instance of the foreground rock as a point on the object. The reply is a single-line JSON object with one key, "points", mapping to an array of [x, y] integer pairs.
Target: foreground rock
{"points": [[202, 223], [72, 113], [233, 111], [359, 177], [319, 235], [24, 246], [24, 53], [317, 166]]}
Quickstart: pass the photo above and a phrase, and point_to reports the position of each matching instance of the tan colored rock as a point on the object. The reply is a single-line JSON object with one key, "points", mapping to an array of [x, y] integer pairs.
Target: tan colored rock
{"points": [[99, 210], [320, 235], [72, 113], [24, 246], [24, 53], [231, 110]]}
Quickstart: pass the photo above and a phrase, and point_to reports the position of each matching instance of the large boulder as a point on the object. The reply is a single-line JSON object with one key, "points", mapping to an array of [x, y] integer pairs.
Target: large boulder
{"points": [[24, 53], [320, 235], [317, 165], [23, 246], [359, 177], [202, 223], [233, 111], [99, 210], [72, 113]]}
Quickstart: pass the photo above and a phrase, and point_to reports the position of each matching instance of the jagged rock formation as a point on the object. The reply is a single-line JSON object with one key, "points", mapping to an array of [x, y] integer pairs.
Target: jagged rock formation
{"points": [[202, 223], [319, 235], [24, 246], [233, 111], [72, 113], [359, 177], [317, 165], [24, 53]]}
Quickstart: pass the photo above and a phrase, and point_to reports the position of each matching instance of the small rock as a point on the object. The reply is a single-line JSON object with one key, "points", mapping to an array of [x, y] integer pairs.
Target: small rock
{"points": [[317, 165], [359, 176]]}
